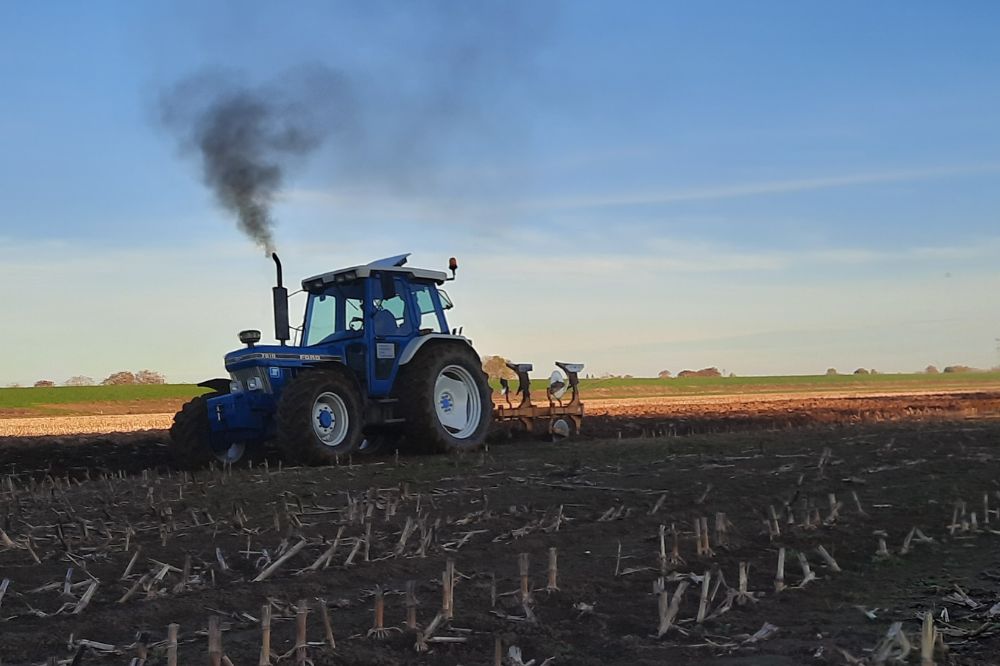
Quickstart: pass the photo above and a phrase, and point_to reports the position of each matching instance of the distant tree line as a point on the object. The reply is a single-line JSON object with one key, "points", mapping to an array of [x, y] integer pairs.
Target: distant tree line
{"points": [[120, 378], [704, 372]]}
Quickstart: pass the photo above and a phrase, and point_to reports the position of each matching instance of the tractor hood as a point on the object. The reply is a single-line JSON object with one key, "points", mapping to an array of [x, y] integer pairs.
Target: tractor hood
{"points": [[274, 355]]}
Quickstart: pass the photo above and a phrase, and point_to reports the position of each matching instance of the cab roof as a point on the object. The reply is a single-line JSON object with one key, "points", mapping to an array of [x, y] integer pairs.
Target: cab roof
{"points": [[394, 264]]}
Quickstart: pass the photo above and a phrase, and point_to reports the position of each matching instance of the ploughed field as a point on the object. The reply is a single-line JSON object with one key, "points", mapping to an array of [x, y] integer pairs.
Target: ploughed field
{"points": [[104, 546]]}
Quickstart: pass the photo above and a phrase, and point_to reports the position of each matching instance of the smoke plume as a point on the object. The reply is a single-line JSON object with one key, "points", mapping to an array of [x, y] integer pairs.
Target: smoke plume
{"points": [[247, 138], [444, 91]]}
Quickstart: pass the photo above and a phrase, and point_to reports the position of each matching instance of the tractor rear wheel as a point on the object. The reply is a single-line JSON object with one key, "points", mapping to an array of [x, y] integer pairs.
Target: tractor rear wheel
{"points": [[190, 441], [446, 399], [319, 417]]}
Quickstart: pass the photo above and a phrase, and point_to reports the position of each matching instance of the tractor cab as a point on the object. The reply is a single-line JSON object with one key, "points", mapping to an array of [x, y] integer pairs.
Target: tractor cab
{"points": [[371, 314]]}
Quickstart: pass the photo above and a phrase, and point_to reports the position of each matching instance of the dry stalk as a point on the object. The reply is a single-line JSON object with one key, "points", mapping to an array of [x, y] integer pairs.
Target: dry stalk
{"points": [[668, 612], [525, 583], [408, 530], [265, 636], [446, 583], [354, 553], [828, 558], [928, 636], [135, 588], [172, 630], [894, 645], [703, 602], [131, 563], [774, 529], [214, 641], [301, 617], [185, 575], [221, 560], [675, 553], [721, 535], [553, 571], [835, 507], [427, 633], [141, 647], [807, 574], [379, 631], [323, 561], [779, 576], [857, 504], [704, 495], [663, 550], [292, 552], [411, 605], [906, 542], [706, 547], [85, 599]]}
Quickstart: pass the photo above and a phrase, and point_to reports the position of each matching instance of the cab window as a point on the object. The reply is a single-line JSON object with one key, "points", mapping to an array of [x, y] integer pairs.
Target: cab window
{"points": [[389, 315], [425, 304]]}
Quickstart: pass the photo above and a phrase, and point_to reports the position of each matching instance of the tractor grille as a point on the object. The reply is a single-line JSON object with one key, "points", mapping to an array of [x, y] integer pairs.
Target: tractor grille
{"points": [[243, 377]]}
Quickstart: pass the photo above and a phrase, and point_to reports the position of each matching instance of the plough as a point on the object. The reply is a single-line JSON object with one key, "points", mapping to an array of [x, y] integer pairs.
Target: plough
{"points": [[560, 419]]}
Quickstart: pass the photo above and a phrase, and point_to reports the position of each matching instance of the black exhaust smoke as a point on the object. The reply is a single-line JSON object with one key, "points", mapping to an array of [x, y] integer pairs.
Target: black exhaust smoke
{"points": [[446, 89], [246, 138]]}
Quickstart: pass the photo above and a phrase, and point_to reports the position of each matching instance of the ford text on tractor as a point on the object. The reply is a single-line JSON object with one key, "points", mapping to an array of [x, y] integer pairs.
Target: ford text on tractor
{"points": [[375, 368]]}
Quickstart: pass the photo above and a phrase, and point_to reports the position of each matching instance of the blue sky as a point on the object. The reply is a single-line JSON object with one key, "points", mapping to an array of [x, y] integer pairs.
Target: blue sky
{"points": [[772, 187]]}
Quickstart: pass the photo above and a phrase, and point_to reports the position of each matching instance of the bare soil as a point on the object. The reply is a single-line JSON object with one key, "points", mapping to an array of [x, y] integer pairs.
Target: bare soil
{"points": [[88, 503]]}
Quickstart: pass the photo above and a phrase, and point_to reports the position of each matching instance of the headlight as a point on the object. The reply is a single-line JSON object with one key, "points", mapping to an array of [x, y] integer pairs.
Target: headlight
{"points": [[254, 384], [234, 387]]}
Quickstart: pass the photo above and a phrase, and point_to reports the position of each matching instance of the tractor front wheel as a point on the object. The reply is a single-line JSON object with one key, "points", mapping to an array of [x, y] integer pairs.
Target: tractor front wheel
{"points": [[320, 418], [446, 399]]}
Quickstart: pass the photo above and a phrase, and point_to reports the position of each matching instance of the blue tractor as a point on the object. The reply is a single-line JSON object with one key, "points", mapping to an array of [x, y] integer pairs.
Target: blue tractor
{"points": [[375, 364]]}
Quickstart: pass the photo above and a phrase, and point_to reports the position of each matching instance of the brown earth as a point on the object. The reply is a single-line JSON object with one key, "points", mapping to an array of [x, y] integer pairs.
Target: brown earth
{"points": [[908, 460], [674, 414]]}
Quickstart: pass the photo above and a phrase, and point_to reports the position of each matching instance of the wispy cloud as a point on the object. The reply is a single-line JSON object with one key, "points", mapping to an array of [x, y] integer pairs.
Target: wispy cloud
{"points": [[733, 191], [665, 256]]}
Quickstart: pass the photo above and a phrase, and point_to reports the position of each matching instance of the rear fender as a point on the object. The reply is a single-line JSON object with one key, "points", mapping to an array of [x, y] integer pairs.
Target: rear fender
{"points": [[414, 345]]}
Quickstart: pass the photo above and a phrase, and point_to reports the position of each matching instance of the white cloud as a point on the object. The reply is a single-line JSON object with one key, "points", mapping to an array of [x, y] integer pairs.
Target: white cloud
{"points": [[732, 191]]}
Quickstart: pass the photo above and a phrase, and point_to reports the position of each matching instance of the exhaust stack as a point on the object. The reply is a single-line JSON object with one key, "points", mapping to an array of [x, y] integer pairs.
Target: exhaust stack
{"points": [[281, 332]]}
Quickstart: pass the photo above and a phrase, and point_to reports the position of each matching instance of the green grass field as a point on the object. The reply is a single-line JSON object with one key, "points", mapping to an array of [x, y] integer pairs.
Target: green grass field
{"points": [[38, 398], [165, 397]]}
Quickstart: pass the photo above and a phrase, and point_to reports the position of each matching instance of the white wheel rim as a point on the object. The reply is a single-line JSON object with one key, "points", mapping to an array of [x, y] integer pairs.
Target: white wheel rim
{"points": [[329, 419], [231, 454], [457, 402]]}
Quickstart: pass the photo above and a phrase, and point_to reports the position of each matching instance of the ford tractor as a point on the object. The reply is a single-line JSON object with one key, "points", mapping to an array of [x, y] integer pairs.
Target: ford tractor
{"points": [[374, 363]]}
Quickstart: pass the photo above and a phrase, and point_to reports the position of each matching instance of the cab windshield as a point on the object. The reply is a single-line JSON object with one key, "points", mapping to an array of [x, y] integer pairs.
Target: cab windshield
{"points": [[334, 312]]}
